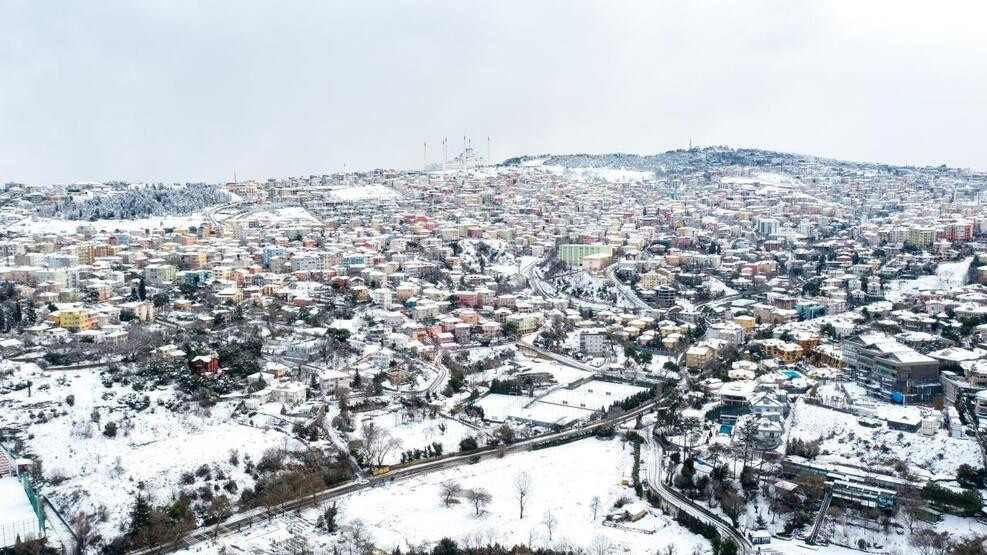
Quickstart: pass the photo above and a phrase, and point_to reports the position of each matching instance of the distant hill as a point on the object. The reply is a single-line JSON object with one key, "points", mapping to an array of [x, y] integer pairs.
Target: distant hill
{"points": [[677, 160]]}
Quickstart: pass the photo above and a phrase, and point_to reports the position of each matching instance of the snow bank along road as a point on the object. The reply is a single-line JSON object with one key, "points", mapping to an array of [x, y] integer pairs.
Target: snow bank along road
{"points": [[240, 520]]}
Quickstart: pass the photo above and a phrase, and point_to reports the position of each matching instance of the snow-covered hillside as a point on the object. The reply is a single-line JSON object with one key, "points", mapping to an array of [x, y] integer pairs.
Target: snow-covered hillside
{"points": [[143, 202]]}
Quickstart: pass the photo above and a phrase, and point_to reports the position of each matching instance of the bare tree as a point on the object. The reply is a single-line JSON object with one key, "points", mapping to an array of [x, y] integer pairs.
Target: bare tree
{"points": [[522, 490], [550, 523], [357, 540], [594, 505], [600, 546], [670, 549], [377, 443], [909, 508], [449, 491], [82, 527], [929, 542], [480, 498]]}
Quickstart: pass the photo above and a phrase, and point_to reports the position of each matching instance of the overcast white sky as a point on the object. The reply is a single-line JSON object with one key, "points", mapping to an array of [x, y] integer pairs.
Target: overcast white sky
{"points": [[189, 90]]}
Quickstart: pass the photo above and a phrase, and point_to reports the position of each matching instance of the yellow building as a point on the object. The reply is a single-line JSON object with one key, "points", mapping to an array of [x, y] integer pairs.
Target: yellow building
{"points": [[671, 341], [746, 322], [596, 262], [194, 260], [573, 254], [787, 353], [232, 294], [921, 236], [75, 319], [526, 323], [807, 341], [651, 280], [698, 356]]}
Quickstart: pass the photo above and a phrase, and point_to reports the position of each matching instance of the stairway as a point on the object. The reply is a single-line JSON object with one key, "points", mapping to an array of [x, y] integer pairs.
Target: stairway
{"points": [[5, 465], [823, 507]]}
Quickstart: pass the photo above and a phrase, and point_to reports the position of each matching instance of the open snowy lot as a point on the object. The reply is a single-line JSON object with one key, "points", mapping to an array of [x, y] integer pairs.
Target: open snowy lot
{"points": [[292, 214], [57, 225], [415, 431], [564, 481], [365, 192], [609, 175], [519, 362], [845, 441], [90, 473], [560, 406], [562, 374], [594, 395], [948, 276]]}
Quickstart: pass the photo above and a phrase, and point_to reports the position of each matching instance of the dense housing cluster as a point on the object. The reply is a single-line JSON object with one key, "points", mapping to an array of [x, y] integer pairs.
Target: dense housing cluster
{"points": [[707, 348]]}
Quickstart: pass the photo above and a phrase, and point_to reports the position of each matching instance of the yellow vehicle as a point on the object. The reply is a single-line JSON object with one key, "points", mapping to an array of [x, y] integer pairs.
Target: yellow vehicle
{"points": [[380, 471]]}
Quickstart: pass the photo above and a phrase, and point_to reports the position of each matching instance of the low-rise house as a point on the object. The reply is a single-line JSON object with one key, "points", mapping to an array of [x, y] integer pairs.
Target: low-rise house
{"points": [[205, 364]]}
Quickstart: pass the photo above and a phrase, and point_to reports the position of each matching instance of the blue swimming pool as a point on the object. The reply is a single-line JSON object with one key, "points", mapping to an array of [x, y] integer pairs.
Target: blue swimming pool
{"points": [[791, 374], [726, 429]]}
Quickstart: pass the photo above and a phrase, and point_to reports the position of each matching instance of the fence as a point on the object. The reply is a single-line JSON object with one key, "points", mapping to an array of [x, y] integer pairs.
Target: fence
{"points": [[39, 511], [23, 530]]}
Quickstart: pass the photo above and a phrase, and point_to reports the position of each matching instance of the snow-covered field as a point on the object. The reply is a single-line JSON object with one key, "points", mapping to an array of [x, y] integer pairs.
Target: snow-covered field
{"points": [[365, 192], [55, 225], [478, 254], [769, 181], [588, 287], [564, 481], [602, 174], [559, 406], [417, 431], [296, 214], [843, 319], [716, 285], [561, 373], [610, 175], [948, 276], [845, 441]]}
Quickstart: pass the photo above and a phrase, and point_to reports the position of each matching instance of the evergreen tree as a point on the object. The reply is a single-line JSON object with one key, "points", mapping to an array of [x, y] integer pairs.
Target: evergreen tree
{"points": [[329, 518], [140, 514], [30, 315], [141, 289], [17, 312]]}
